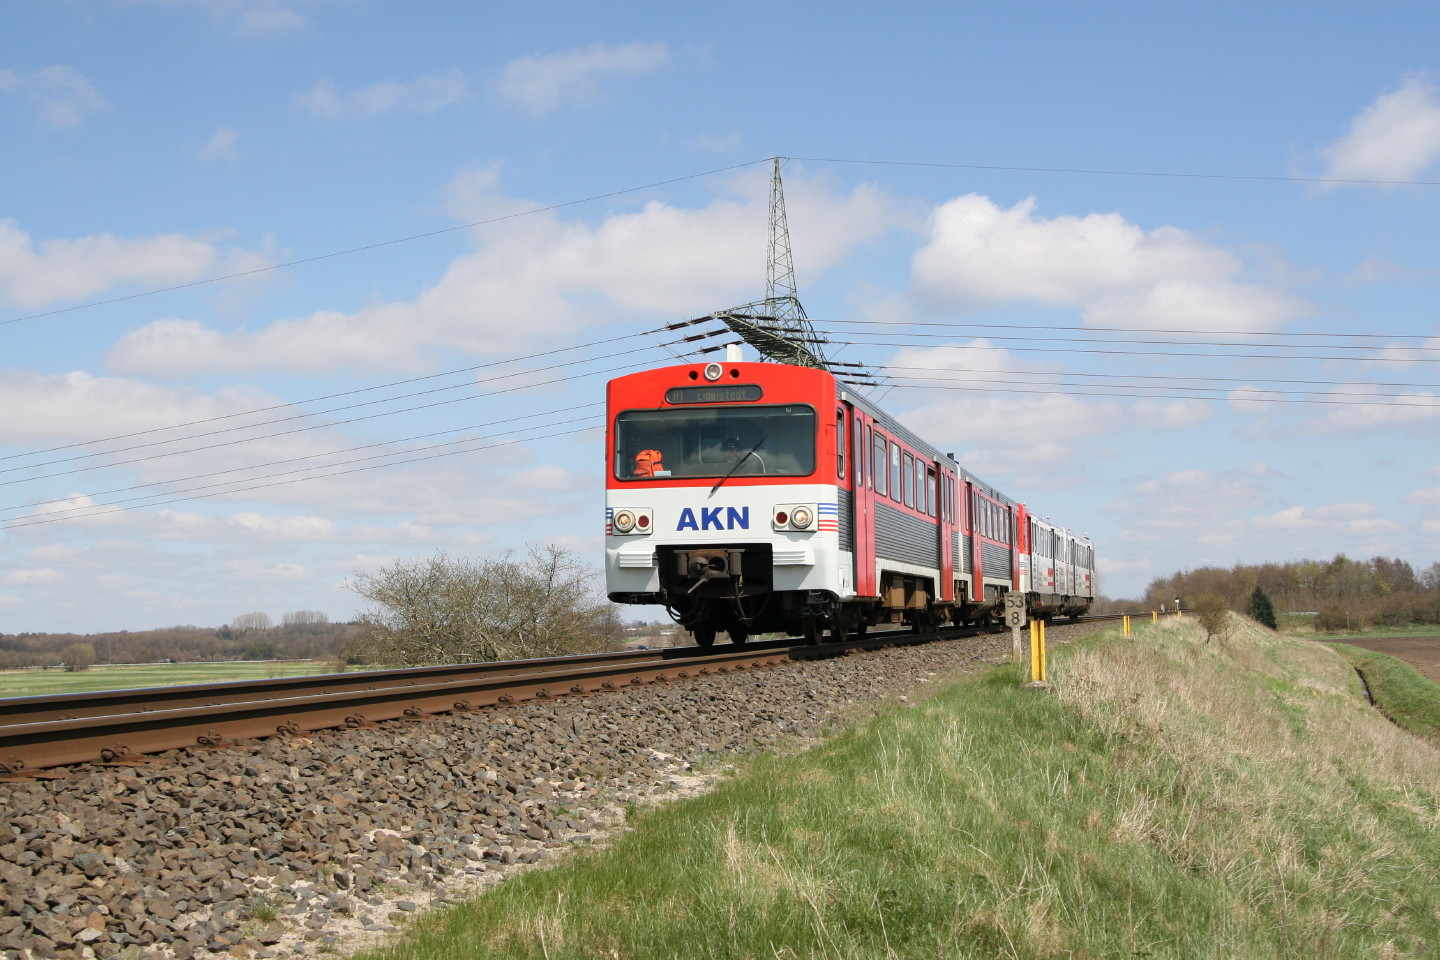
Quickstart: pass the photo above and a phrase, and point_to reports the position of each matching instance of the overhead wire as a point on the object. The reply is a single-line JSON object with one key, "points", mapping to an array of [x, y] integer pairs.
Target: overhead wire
{"points": [[588, 421], [387, 243], [1090, 171], [276, 463], [329, 396], [403, 455], [321, 426], [30, 522]]}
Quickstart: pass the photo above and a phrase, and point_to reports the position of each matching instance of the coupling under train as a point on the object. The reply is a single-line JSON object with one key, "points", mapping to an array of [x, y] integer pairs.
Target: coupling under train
{"points": [[751, 498]]}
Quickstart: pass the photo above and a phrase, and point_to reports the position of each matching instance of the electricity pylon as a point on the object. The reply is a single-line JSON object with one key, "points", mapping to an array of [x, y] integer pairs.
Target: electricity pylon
{"points": [[777, 326]]}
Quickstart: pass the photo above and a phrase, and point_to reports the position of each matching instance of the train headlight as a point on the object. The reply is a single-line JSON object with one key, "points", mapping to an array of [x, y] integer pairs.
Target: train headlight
{"points": [[624, 521], [713, 371], [801, 518], [632, 521]]}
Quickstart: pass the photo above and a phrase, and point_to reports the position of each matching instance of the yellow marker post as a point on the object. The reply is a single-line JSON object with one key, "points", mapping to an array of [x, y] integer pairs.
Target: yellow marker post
{"points": [[1154, 616], [1037, 651], [1127, 624]]}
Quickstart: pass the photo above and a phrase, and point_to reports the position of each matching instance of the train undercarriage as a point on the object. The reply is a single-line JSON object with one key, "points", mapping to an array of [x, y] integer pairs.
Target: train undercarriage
{"points": [[731, 590]]}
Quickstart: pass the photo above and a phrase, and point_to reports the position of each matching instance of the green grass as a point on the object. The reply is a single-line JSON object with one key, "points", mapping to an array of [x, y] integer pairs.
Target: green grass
{"points": [[34, 683], [1398, 689], [1410, 630], [1170, 799]]}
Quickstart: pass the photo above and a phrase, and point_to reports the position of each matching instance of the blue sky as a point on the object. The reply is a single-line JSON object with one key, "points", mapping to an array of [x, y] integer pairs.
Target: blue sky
{"points": [[1251, 180]]}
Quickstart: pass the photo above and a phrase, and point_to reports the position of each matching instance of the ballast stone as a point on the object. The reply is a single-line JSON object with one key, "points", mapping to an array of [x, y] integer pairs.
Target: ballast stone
{"points": [[186, 855]]}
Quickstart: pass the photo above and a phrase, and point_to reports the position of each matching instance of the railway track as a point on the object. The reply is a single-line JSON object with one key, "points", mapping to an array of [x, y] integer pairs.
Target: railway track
{"points": [[39, 734]]}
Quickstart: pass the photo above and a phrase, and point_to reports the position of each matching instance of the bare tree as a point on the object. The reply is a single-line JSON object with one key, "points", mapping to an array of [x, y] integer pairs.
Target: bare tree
{"points": [[77, 657], [1213, 615], [444, 610], [300, 618], [251, 622]]}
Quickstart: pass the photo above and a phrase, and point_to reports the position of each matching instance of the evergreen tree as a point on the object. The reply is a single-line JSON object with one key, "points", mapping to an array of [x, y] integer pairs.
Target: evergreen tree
{"points": [[1261, 610]]}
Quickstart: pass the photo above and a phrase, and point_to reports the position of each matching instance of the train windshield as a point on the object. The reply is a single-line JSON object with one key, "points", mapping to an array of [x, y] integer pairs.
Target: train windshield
{"points": [[776, 441]]}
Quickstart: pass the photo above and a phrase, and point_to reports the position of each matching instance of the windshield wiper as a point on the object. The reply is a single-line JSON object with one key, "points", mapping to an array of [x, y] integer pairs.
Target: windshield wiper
{"points": [[747, 456]]}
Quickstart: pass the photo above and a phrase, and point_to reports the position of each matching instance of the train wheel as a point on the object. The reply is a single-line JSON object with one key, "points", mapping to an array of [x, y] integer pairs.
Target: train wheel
{"points": [[840, 627], [738, 635], [812, 628], [704, 634]]}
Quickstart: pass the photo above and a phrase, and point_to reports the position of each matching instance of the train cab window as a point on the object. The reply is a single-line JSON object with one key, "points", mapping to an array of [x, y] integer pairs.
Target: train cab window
{"points": [[897, 479], [840, 443], [716, 441], [880, 458], [908, 475]]}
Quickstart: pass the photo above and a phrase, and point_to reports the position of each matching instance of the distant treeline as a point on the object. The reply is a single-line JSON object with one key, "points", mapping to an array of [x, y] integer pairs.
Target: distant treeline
{"points": [[1341, 593], [303, 635]]}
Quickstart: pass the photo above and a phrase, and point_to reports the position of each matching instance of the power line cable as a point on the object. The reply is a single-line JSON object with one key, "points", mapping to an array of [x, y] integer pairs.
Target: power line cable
{"points": [[313, 456], [1115, 173], [589, 421], [1170, 377], [318, 426], [921, 382], [1150, 330], [386, 243], [280, 483], [306, 429], [1137, 353], [329, 396]]}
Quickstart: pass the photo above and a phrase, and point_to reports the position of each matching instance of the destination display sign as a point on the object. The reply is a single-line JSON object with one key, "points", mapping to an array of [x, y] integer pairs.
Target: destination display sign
{"points": [[734, 393]]}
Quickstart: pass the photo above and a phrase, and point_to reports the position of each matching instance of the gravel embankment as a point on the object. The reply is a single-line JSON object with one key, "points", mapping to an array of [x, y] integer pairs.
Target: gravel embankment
{"points": [[296, 846]]}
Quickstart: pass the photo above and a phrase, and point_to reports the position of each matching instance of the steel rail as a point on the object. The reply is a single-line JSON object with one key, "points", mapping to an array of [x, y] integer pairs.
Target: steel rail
{"points": [[22, 710], [134, 723]]}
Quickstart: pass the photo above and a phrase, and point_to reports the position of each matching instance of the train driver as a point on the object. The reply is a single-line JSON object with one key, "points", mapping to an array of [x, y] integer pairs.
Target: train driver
{"points": [[650, 463]]}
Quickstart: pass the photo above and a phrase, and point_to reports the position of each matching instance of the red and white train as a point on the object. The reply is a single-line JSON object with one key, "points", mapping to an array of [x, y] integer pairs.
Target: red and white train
{"points": [[759, 497]]}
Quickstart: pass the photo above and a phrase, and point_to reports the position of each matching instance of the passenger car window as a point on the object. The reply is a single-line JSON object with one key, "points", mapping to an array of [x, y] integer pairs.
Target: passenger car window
{"points": [[880, 458]]}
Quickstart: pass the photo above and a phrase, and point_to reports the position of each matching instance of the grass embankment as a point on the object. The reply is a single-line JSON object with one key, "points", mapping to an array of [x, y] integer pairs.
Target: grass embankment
{"points": [[35, 683], [1171, 799], [1399, 690]]}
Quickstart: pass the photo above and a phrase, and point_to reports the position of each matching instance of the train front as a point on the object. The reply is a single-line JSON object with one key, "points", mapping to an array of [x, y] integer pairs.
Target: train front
{"points": [[721, 499]]}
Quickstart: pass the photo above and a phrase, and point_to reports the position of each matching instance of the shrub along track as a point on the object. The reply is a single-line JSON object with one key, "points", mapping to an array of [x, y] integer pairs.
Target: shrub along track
{"points": [[285, 845]]}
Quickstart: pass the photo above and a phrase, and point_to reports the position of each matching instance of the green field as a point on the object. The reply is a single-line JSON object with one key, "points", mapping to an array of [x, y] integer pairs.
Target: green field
{"points": [[34, 683], [1400, 691], [1171, 798], [1304, 632]]}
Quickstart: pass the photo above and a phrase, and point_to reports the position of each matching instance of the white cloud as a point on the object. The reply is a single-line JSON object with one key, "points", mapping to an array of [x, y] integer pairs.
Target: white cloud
{"points": [[1189, 507], [1114, 271], [254, 17], [1354, 518], [534, 280], [421, 95], [1376, 269], [1347, 409], [75, 407], [977, 419], [284, 528], [541, 84], [64, 95], [1425, 498], [67, 270], [1395, 138], [221, 145], [44, 575]]}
